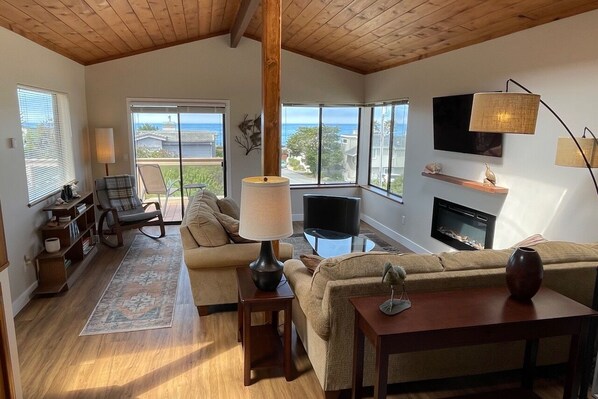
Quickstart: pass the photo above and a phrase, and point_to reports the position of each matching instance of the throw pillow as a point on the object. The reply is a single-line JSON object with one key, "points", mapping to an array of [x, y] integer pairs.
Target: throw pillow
{"points": [[229, 207], [311, 262], [531, 240], [231, 225], [204, 227]]}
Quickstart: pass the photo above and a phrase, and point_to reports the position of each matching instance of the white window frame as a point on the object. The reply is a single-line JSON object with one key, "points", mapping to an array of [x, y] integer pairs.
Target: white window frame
{"points": [[48, 173]]}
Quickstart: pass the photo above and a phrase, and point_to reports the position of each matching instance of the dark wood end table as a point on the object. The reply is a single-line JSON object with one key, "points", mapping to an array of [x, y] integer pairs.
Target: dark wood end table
{"points": [[469, 317], [262, 346]]}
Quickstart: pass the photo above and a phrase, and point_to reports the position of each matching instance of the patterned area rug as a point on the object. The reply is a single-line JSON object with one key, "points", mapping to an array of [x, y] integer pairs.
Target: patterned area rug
{"points": [[142, 293]]}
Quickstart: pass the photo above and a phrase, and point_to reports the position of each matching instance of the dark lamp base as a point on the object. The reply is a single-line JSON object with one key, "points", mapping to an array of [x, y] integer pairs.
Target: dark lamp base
{"points": [[266, 271]]}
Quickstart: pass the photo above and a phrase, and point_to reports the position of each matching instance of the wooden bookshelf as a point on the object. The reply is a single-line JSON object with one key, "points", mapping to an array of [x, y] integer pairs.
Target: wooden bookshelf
{"points": [[471, 184]]}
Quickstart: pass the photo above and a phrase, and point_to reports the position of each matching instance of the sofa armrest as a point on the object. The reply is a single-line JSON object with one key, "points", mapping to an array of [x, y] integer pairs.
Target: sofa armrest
{"points": [[229, 255]]}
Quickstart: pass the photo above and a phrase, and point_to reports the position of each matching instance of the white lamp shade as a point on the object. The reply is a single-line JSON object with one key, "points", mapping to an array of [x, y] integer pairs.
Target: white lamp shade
{"points": [[504, 113], [105, 145], [568, 154], [265, 208]]}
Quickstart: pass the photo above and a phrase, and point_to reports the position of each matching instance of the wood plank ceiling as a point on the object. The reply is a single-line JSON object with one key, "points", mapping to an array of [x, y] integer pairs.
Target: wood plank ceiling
{"points": [[361, 35]]}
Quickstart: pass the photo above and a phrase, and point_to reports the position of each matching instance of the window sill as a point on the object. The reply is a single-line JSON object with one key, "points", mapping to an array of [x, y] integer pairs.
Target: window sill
{"points": [[323, 186], [382, 193]]}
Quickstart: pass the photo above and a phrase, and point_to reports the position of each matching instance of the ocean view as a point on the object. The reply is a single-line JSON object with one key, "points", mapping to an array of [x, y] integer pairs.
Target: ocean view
{"points": [[287, 129]]}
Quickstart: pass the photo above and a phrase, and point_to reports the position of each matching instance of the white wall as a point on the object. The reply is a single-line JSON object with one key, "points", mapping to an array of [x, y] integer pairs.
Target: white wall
{"points": [[559, 61], [24, 62], [208, 69]]}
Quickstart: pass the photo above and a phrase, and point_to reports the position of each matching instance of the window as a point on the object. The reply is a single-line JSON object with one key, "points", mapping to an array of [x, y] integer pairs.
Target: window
{"points": [[387, 147], [319, 144], [47, 141]]}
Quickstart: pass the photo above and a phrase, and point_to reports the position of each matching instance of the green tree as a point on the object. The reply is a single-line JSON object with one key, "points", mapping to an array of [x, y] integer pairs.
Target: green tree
{"points": [[147, 127], [146, 152], [304, 143]]}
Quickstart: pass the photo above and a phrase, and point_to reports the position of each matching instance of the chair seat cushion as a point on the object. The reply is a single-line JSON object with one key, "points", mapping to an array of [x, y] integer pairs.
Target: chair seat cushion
{"points": [[120, 192], [136, 215]]}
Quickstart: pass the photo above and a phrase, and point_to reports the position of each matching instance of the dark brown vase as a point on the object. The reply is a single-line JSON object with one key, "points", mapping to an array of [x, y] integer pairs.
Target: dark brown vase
{"points": [[524, 273]]}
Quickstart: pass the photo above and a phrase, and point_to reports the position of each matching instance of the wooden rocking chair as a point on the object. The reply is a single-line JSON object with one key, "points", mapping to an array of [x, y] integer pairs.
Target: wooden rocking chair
{"points": [[122, 210]]}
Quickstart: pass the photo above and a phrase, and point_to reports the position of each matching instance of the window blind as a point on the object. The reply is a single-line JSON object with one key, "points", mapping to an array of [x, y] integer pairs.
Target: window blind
{"points": [[47, 141]]}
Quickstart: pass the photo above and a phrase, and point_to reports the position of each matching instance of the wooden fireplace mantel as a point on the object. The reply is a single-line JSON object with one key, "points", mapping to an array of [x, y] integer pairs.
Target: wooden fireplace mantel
{"points": [[471, 184]]}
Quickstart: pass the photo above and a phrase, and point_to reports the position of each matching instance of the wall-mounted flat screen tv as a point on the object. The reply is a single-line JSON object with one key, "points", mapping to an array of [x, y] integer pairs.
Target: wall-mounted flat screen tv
{"points": [[451, 128]]}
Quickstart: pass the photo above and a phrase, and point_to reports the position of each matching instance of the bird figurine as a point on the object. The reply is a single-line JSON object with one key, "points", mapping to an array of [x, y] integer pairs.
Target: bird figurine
{"points": [[490, 176], [394, 275]]}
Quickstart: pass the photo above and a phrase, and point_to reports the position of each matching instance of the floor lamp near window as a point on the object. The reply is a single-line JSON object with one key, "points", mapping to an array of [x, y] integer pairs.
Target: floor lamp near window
{"points": [[507, 112], [266, 216], [105, 146]]}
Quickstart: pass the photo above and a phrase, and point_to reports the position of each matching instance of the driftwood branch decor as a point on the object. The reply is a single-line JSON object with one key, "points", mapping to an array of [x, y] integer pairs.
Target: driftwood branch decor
{"points": [[251, 137]]}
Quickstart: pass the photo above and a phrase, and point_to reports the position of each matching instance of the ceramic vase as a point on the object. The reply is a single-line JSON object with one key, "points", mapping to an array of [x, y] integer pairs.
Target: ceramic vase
{"points": [[524, 273]]}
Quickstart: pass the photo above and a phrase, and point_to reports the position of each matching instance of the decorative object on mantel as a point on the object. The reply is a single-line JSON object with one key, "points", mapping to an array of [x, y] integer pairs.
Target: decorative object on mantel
{"points": [[503, 112], [251, 138], [471, 184], [490, 176], [394, 275], [433, 168], [524, 273]]}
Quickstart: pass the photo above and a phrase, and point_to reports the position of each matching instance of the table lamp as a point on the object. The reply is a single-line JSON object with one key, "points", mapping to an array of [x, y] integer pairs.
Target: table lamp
{"points": [[105, 146], [266, 216]]}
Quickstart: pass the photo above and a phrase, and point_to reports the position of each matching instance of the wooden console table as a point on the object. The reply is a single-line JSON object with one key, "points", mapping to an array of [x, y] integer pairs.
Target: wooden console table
{"points": [[468, 317]]}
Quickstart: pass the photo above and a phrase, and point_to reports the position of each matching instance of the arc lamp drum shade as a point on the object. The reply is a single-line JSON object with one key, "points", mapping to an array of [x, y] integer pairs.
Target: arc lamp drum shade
{"points": [[568, 154], [104, 144], [503, 112], [265, 208]]}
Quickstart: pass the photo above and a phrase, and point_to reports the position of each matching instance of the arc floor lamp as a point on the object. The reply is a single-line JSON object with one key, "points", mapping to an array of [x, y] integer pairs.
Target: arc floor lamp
{"points": [[508, 112]]}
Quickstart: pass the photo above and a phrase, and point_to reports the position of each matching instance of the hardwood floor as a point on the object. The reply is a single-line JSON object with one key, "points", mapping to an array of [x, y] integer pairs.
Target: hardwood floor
{"points": [[196, 358]]}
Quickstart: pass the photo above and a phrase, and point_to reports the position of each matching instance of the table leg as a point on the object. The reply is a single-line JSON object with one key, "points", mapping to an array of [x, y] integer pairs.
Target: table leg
{"points": [[358, 347], [529, 363], [239, 319], [288, 364], [247, 345], [575, 364], [381, 372]]}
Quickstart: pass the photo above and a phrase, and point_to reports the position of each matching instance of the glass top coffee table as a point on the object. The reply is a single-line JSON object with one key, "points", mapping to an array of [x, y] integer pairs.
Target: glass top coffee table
{"points": [[327, 243]]}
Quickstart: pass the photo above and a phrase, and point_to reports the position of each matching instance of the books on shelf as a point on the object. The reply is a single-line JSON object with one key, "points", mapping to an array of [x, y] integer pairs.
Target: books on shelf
{"points": [[81, 208], [67, 263], [87, 245], [74, 230]]}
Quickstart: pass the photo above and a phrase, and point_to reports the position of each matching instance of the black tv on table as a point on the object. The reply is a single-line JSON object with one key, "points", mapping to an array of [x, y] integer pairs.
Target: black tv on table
{"points": [[451, 128]]}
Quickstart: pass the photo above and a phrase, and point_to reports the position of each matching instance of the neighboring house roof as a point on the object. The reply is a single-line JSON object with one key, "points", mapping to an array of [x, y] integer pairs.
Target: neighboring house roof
{"points": [[186, 136]]}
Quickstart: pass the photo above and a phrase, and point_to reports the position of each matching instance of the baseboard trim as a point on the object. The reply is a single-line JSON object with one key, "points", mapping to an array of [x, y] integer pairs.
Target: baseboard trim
{"points": [[394, 235], [23, 299]]}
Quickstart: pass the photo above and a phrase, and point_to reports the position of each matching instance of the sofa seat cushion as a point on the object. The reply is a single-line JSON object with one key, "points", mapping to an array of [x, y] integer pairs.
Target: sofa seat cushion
{"points": [[204, 226], [230, 255], [370, 264], [469, 260]]}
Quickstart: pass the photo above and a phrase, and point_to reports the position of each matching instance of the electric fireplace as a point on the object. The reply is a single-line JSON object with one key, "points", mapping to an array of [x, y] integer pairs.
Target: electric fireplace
{"points": [[461, 227]]}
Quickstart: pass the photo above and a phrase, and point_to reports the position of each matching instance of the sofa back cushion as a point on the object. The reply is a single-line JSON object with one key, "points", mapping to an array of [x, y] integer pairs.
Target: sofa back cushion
{"points": [[204, 226], [370, 264], [469, 260], [551, 252]]}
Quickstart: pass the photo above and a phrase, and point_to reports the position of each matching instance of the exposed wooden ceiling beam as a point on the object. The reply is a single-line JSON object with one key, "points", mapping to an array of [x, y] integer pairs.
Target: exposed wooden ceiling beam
{"points": [[244, 15]]}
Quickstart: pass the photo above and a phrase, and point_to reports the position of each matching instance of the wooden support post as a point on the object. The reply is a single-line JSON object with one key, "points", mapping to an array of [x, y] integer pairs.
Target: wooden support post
{"points": [[271, 42]]}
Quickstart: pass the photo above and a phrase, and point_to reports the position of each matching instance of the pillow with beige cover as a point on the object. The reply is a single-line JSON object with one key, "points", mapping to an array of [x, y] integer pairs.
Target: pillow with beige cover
{"points": [[204, 227], [231, 225], [229, 207]]}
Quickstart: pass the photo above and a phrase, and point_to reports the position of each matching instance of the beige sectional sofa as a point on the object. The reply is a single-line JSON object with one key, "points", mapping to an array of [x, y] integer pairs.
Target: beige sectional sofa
{"points": [[213, 249], [324, 318]]}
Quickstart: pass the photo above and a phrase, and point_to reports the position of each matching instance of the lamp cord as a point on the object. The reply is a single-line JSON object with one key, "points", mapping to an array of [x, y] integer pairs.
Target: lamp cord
{"points": [[585, 159]]}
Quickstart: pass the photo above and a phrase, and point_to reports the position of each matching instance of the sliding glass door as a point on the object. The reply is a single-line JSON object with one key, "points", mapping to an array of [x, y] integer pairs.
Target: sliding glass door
{"points": [[179, 150]]}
